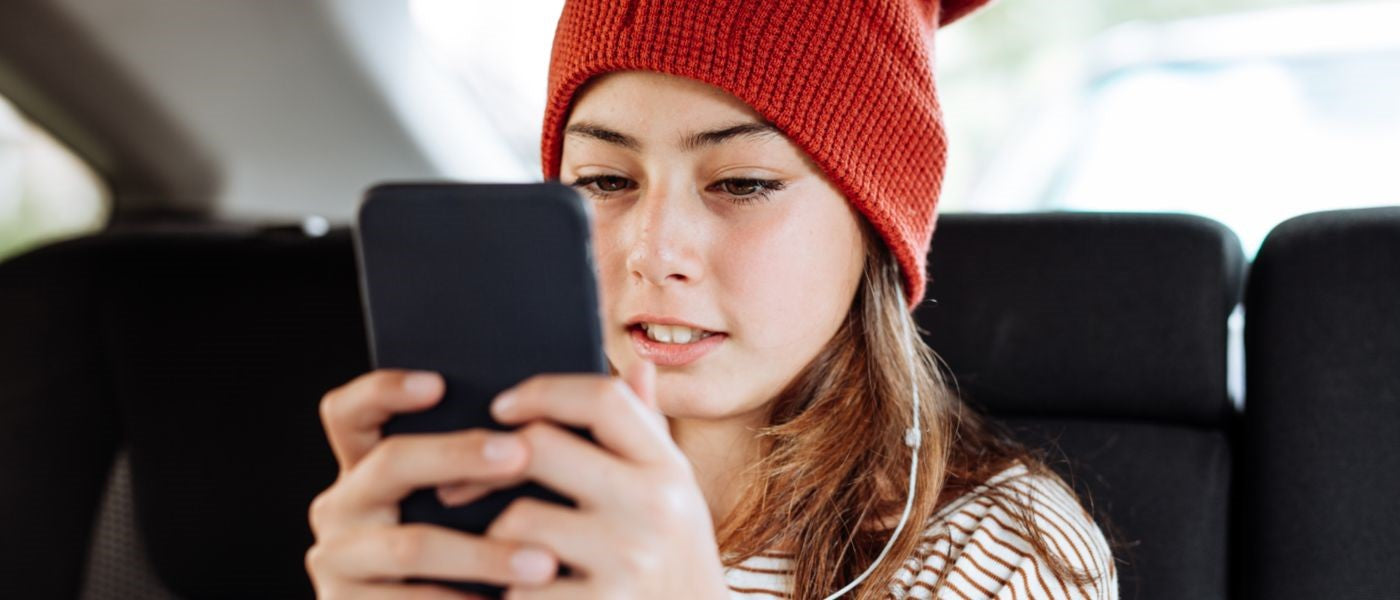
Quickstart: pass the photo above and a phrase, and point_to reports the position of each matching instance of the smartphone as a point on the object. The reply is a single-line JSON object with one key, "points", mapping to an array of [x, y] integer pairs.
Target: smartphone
{"points": [[487, 284]]}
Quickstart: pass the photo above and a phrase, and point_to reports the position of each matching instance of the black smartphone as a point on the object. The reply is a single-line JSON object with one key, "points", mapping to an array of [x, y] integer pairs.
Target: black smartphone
{"points": [[487, 284]]}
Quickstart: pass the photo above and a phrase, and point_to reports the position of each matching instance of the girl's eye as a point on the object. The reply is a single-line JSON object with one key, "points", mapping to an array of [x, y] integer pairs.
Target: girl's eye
{"points": [[739, 190], [611, 184], [602, 185], [740, 187], [743, 191]]}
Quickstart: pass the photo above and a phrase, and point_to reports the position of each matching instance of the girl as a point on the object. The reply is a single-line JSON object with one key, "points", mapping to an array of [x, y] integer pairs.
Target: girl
{"points": [[762, 177]]}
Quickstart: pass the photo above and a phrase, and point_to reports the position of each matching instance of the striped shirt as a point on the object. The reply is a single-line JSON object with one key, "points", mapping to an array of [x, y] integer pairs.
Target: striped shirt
{"points": [[975, 542]]}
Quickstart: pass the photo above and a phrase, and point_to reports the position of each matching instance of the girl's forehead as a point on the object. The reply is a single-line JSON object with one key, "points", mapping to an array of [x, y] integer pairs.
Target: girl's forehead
{"points": [[657, 101], [645, 111]]}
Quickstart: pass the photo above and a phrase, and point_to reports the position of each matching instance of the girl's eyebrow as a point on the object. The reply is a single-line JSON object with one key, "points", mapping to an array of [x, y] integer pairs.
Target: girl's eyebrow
{"points": [[691, 142], [716, 136], [598, 132]]}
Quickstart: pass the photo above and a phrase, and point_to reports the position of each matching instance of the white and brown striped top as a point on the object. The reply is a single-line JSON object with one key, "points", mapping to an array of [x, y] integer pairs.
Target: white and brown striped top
{"points": [[975, 547]]}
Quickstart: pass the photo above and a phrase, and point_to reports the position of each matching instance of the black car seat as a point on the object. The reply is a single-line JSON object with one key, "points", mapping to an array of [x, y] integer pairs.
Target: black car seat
{"points": [[203, 355], [59, 425], [1102, 338], [201, 358], [1321, 445]]}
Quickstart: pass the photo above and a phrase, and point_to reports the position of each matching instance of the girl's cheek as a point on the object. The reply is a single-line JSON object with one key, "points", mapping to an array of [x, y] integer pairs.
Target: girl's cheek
{"points": [[796, 295], [754, 276], [609, 257]]}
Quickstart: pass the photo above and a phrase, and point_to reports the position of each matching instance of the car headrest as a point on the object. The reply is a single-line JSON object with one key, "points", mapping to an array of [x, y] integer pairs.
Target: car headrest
{"points": [[1094, 315]]}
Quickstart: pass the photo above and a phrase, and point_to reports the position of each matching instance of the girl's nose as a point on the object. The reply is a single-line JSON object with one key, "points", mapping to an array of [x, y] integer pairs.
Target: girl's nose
{"points": [[664, 248]]}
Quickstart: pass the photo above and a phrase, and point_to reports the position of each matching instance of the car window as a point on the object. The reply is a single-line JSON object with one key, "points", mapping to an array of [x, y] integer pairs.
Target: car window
{"points": [[46, 191], [1245, 112], [1249, 142]]}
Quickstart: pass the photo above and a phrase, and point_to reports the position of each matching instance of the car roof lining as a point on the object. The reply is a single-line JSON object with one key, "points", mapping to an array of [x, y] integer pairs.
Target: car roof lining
{"points": [[53, 73]]}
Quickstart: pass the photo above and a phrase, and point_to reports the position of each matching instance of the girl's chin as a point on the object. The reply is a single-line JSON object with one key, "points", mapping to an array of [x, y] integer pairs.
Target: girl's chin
{"points": [[687, 406], [699, 406]]}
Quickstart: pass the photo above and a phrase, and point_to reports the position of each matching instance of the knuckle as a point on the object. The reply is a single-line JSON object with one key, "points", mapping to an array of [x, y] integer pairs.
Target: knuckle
{"points": [[315, 559], [635, 561], [405, 546], [466, 451], [330, 406], [535, 432], [462, 449], [382, 381], [515, 517], [338, 405], [321, 511], [378, 464]]}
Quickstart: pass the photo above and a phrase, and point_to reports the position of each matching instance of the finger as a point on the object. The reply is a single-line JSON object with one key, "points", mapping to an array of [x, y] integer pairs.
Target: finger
{"points": [[353, 413], [604, 405], [464, 492], [576, 539], [642, 379], [432, 552], [403, 463], [561, 589], [570, 465]]}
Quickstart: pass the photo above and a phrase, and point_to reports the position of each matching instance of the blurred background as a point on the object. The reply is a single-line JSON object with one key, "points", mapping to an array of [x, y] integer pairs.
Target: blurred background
{"points": [[117, 112]]}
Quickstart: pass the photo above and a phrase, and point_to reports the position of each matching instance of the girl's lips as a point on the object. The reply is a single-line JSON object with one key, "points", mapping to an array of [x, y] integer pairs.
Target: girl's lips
{"points": [[672, 355]]}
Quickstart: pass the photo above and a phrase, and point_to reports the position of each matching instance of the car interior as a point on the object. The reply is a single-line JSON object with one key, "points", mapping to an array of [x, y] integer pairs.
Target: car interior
{"points": [[160, 377]]}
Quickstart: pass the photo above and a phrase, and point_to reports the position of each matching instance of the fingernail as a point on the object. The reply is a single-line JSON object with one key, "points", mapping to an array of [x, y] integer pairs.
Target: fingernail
{"points": [[503, 404], [445, 493], [501, 448], [532, 565], [421, 383]]}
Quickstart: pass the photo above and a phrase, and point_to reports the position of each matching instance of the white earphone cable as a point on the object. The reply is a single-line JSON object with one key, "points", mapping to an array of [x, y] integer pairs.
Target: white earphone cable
{"points": [[913, 437]]}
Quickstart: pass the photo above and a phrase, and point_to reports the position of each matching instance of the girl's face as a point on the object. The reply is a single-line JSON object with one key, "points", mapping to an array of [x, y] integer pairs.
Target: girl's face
{"points": [[706, 216]]}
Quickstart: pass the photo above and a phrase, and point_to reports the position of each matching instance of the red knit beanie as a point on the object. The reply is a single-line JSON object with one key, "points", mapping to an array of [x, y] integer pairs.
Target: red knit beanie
{"points": [[848, 82]]}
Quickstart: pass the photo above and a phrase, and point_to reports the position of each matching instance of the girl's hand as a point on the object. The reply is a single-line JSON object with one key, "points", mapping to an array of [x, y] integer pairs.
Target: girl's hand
{"points": [[361, 549], [641, 528]]}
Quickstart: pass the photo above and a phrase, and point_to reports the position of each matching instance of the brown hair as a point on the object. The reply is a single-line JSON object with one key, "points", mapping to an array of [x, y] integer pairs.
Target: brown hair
{"points": [[833, 473]]}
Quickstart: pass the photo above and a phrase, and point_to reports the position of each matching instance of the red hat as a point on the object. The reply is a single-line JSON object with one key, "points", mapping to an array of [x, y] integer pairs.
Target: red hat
{"points": [[849, 82]]}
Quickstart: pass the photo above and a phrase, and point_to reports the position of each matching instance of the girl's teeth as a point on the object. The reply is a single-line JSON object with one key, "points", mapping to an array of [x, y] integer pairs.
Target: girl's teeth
{"points": [[680, 335], [673, 334]]}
